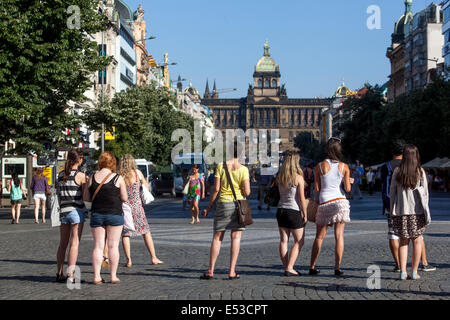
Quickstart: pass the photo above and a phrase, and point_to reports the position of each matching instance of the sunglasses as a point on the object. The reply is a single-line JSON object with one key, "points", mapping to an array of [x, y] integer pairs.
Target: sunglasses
{"points": [[337, 139]]}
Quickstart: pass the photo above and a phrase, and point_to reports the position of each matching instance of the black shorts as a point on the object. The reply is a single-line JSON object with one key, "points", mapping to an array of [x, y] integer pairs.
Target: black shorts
{"points": [[290, 219]]}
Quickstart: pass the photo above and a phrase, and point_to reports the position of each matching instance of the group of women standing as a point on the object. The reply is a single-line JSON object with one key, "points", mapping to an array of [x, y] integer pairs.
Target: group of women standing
{"points": [[107, 191]]}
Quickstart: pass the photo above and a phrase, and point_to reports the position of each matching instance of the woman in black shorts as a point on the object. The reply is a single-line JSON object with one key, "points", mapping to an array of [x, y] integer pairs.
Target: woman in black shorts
{"points": [[289, 215]]}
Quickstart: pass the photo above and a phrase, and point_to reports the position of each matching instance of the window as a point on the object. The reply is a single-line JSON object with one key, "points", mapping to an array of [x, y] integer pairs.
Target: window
{"points": [[259, 83], [447, 15], [274, 83], [267, 84]]}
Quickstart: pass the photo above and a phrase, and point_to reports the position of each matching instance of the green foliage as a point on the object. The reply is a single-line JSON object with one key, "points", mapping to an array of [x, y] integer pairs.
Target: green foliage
{"points": [[421, 117], [43, 66], [309, 147], [144, 119]]}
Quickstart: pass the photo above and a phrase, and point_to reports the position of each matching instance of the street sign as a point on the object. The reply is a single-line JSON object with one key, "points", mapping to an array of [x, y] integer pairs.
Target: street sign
{"points": [[109, 135], [47, 172]]}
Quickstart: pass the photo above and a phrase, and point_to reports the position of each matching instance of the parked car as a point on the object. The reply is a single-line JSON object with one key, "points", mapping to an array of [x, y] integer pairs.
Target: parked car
{"points": [[162, 182]]}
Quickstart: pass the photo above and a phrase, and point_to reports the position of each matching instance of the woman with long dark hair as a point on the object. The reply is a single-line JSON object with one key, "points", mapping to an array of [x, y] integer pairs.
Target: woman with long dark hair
{"points": [[70, 187], [17, 193], [332, 180], [409, 208]]}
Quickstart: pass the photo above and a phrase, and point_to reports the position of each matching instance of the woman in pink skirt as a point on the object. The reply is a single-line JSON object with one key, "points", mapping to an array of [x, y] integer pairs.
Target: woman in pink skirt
{"points": [[331, 179], [133, 179]]}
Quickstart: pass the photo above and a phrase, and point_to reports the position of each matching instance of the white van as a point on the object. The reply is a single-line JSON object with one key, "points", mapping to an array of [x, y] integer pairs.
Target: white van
{"points": [[145, 166]]}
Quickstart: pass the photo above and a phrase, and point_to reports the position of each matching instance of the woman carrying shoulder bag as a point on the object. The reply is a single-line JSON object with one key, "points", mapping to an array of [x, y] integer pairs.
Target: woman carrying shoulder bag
{"points": [[409, 208], [107, 191], [226, 217]]}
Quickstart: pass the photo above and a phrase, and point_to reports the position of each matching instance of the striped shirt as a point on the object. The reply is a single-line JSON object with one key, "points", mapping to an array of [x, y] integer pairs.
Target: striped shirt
{"points": [[70, 194]]}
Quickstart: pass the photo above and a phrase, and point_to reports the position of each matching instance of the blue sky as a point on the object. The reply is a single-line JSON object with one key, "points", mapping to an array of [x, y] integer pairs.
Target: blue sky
{"points": [[316, 43]]}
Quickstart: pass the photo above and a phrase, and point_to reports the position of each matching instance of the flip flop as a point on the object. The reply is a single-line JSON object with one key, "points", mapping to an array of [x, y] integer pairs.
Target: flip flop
{"points": [[115, 282], [98, 282], [162, 262], [236, 277], [206, 277]]}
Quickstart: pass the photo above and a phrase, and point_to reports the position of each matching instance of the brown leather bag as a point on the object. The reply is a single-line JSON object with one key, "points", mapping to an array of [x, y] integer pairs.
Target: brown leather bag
{"points": [[311, 208], [243, 209]]}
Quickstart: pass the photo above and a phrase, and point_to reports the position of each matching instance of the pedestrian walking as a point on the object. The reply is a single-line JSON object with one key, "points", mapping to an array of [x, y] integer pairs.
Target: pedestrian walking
{"points": [[291, 213], [17, 193], [185, 176], [134, 179], [356, 191], [332, 181], [39, 188], [196, 192], [409, 208], [225, 217], [370, 176], [107, 191], [265, 181], [70, 186]]}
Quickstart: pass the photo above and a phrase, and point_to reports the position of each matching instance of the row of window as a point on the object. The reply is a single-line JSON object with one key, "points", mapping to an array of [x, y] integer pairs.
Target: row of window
{"points": [[447, 15], [267, 83]]}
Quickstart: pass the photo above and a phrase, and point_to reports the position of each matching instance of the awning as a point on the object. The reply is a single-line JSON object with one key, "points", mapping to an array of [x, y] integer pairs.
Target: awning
{"points": [[435, 163]]}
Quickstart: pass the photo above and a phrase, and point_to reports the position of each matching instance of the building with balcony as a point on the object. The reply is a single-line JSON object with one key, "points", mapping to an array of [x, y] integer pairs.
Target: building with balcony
{"points": [[446, 34]]}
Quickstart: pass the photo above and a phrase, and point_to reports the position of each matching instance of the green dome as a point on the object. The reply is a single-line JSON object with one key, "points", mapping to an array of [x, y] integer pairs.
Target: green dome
{"points": [[266, 63]]}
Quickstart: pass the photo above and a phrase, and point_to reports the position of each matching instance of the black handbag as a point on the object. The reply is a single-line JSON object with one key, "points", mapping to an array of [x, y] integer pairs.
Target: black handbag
{"points": [[243, 209], [272, 197]]}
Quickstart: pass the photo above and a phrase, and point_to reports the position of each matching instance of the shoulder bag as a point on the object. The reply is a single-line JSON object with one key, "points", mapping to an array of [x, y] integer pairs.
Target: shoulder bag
{"points": [[424, 199], [243, 209], [88, 204], [272, 197], [146, 195], [55, 210]]}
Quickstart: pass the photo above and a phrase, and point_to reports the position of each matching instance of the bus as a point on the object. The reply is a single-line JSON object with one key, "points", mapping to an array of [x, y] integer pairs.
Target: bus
{"points": [[187, 160]]}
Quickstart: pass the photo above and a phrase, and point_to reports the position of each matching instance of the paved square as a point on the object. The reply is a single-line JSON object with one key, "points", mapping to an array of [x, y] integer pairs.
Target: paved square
{"points": [[28, 253]]}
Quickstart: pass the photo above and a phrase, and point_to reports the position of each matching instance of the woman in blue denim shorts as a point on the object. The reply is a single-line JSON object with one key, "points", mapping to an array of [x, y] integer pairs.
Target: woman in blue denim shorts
{"points": [[70, 186], [107, 191]]}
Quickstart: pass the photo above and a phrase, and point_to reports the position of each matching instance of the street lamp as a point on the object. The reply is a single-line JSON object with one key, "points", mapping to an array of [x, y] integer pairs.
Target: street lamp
{"points": [[149, 38]]}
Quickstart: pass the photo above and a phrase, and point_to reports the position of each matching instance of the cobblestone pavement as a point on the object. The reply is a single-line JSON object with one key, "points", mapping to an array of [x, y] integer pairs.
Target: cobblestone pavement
{"points": [[28, 251]]}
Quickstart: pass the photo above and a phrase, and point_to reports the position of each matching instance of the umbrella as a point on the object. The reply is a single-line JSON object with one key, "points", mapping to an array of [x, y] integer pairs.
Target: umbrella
{"points": [[445, 165]]}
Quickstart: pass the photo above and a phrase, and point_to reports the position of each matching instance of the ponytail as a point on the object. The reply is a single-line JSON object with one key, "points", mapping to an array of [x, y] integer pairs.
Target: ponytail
{"points": [[72, 158]]}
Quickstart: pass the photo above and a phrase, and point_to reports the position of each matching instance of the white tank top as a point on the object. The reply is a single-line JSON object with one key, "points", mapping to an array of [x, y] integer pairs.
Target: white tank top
{"points": [[331, 183]]}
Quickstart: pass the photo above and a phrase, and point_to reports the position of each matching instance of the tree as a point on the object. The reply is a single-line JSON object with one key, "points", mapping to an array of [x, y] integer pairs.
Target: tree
{"points": [[43, 66], [144, 119], [309, 147]]}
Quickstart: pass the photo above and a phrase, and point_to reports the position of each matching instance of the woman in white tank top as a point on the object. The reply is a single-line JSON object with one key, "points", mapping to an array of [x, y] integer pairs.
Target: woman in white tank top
{"points": [[332, 177]]}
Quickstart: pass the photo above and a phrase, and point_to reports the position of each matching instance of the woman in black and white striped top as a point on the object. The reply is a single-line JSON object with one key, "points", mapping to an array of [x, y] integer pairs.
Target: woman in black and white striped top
{"points": [[70, 187]]}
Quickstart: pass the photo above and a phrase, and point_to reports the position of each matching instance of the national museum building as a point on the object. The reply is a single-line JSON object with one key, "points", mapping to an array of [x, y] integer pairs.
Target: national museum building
{"points": [[267, 106]]}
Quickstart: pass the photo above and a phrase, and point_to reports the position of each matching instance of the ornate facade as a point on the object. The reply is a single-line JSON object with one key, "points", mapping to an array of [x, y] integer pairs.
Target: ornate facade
{"points": [[267, 106]]}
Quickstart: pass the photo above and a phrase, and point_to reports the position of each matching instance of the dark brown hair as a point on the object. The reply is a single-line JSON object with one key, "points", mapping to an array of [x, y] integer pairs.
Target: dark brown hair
{"points": [[410, 170], [38, 173], [73, 156], [333, 149]]}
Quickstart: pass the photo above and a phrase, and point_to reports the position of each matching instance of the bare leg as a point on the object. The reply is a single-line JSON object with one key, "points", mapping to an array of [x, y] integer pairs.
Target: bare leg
{"points": [[36, 210], [18, 212], [64, 231], [191, 207], [13, 212], [339, 249], [234, 250], [99, 234], [299, 239], [43, 209], [321, 232], [151, 248], [127, 249], [197, 211], [215, 250], [417, 252], [113, 240], [424, 253], [284, 244], [403, 253], [73, 251]]}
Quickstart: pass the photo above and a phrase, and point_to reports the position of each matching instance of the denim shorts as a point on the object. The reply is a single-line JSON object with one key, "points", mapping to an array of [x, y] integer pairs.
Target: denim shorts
{"points": [[74, 217], [103, 220]]}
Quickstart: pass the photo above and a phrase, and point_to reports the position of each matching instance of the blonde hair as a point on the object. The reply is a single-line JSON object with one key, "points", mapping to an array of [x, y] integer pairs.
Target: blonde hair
{"points": [[128, 169], [290, 169]]}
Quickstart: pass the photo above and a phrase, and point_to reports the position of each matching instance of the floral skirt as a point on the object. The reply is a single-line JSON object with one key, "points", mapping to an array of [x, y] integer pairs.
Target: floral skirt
{"points": [[409, 227], [333, 212]]}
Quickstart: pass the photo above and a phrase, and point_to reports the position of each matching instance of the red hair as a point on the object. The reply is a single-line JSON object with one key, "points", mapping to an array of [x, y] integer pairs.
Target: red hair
{"points": [[107, 160]]}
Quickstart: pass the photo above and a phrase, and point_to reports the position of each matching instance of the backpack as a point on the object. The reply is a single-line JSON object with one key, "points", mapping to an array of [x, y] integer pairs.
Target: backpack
{"points": [[386, 187]]}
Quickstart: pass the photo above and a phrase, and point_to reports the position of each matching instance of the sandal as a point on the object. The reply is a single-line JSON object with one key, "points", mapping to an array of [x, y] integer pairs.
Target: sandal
{"points": [[105, 263], [98, 282], [128, 265], [60, 278], [206, 277], [115, 282], [236, 277]]}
